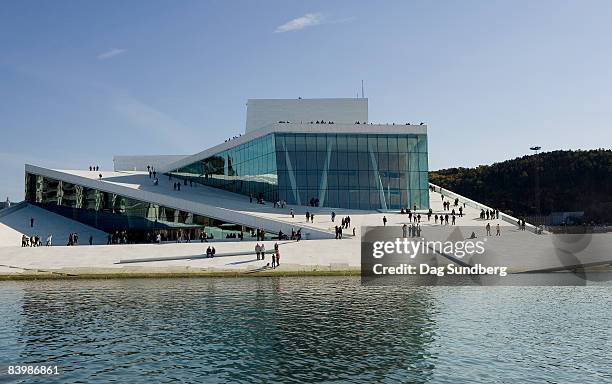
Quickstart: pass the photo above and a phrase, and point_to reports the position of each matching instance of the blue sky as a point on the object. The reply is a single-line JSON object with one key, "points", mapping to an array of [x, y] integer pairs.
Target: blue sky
{"points": [[83, 81]]}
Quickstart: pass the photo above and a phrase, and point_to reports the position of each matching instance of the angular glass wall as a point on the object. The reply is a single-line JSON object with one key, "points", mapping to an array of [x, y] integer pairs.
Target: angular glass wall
{"points": [[112, 213], [358, 171], [249, 169]]}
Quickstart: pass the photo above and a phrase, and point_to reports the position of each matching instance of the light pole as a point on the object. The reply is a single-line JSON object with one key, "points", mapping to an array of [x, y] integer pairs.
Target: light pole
{"points": [[536, 149]]}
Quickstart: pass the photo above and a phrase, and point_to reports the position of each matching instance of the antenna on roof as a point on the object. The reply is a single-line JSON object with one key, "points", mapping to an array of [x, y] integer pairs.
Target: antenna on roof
{"points": [[362, 89]]}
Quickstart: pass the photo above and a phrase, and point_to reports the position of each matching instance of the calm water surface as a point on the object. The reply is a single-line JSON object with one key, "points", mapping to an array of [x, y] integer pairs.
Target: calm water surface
{"points": [[302, 330]]}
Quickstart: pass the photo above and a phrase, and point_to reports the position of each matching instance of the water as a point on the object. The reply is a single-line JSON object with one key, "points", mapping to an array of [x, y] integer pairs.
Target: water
{"points": [[327, 329]]}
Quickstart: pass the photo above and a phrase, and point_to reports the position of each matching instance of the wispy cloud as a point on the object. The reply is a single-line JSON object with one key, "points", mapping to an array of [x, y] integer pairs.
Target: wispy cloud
{"points": [[308, 20], [155, 122], [112, 53]]}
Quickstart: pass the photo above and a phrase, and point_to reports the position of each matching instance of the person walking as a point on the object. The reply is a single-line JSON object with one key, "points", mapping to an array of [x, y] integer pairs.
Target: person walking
{"points": [[31, 222], [90, 240], [273, 260], [384, 221], [497, 230], [404, 231], [292, 214], [277, 256], [333, 216], [488, 228], [49, 240]]}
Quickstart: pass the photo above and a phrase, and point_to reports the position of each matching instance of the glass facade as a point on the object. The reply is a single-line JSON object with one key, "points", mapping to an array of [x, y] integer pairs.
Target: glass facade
{"points": [[111, 212], [357, 171], [249, 168]]}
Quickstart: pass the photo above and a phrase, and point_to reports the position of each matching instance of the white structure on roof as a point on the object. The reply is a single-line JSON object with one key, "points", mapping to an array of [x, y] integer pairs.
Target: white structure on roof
{"points": [[263, 112]]}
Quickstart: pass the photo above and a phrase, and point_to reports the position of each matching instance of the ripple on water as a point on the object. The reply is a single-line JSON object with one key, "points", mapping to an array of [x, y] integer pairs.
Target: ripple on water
{"points": [[305, 329]]}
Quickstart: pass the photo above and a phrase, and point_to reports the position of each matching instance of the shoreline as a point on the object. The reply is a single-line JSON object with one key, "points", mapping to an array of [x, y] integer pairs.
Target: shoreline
{"points": [[74, 275], [169, 274]]}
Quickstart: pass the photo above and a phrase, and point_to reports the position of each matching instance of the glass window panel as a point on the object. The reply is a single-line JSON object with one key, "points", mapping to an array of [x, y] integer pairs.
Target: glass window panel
{"points": [[313, 179], [372, 143], [352, 160], [280, 161], [333, 160], [393, 162], [353, 196], [424, 199], [403, 162], [311, 143], [332, 179], [375, 200], [422, 143], [301, 161], [351, 143], [342, 162], [423, 162], [383, 161], [414, 180], [321, 159], [301, 179], [424, 180], [392, 142], [353, 179], [290, 143], [363, 179], [311, 160], [382, 144], [300, 143], [402, 144], [343, 181], [331, 140], [363, 159], [362, 143], [413, 161], [412, 142], [332, 198], [341, 143], [373, 179], [364, 199], [321, 143], [280, 141]]}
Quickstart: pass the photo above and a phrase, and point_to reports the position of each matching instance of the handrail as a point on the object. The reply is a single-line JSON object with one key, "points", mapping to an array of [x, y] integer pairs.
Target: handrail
{"points": [[474, 204]]}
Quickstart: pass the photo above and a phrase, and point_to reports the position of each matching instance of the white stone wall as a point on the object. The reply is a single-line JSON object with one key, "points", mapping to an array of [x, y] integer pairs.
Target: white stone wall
{"points": [[263, 112]]}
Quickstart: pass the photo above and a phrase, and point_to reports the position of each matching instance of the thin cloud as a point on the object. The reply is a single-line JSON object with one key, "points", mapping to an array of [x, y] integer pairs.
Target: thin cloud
{"points": [[153, 121], [308, 20], [112, 53]]}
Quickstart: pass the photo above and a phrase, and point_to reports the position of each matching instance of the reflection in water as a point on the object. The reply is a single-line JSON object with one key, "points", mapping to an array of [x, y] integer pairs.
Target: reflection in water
{"points": [[305, 329], [263, 329]]}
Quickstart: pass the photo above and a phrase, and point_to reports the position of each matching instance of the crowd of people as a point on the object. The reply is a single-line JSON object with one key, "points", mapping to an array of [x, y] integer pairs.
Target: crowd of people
{"points": [[489, 214], [30, 241], [233, 138], [345, 223], [412, 230], [260, 253]]}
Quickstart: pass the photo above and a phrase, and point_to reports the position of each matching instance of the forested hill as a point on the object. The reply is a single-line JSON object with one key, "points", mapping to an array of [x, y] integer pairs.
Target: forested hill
{"points": [[568, 180]]}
